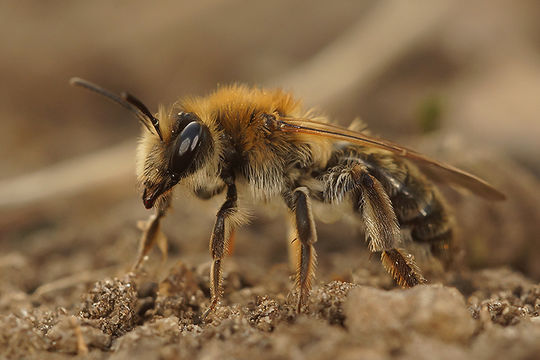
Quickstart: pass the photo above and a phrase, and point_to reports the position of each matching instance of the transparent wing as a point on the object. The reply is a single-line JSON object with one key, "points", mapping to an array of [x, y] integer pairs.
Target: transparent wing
{"points": [[435, 170]]}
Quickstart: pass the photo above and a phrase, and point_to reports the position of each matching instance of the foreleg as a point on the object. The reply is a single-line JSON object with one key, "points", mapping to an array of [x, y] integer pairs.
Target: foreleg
{"points": [[219, 244], [152, 233]]}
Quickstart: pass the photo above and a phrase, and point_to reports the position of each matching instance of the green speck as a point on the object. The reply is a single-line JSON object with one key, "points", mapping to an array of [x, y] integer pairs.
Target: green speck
{"points": [[429, 114]]}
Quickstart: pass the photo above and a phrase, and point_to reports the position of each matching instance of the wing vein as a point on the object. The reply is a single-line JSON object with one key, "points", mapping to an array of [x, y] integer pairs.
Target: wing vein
{"points": [[436, 170]]}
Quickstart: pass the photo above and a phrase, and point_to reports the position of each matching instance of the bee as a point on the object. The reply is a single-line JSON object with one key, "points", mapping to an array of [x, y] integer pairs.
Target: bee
{"points": [[263, 141]]}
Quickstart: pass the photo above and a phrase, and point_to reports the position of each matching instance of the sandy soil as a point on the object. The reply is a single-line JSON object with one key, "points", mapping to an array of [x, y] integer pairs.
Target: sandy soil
{"points": [[58, 310], [455, 80]]}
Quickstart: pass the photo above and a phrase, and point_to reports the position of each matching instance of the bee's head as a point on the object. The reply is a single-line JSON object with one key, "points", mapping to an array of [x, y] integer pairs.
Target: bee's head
{"points": [[182, 149], [173, 146]]}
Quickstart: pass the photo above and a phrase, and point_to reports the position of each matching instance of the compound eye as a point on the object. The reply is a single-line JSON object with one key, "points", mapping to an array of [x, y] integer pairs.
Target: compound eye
{"points": [[182, 120], [185, 148]]}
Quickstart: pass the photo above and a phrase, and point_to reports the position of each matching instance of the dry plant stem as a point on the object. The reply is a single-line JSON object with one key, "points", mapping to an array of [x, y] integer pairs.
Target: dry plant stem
{"points": [[73, 280], [68, 178], [361, 54], [82, 348]]}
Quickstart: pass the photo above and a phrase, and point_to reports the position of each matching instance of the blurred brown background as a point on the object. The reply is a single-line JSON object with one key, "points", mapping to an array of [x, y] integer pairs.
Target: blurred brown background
{"points": [[455, 79]]}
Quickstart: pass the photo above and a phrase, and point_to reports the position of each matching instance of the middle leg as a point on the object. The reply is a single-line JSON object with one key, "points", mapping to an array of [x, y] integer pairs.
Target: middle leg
{"points": [[306, 236]]}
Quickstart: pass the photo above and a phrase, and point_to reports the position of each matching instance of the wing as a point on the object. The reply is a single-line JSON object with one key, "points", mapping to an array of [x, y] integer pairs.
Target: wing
{"points": [[435, 170]]}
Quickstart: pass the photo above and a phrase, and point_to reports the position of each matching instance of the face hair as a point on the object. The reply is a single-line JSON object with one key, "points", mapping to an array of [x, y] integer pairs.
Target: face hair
{"points": [[126, 100]]}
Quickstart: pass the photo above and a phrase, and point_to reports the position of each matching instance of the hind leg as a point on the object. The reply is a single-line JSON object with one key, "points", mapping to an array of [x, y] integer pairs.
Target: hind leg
{"points": [[382, 229]]}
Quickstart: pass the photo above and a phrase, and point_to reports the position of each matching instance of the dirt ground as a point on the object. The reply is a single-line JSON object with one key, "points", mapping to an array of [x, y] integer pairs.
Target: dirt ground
{"points": [[452, 79], [71, 295]]}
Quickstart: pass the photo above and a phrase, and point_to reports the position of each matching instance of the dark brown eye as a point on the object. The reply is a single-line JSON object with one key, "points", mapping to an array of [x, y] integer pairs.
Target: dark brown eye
{"points": [[182, 120], [186, 147]]}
